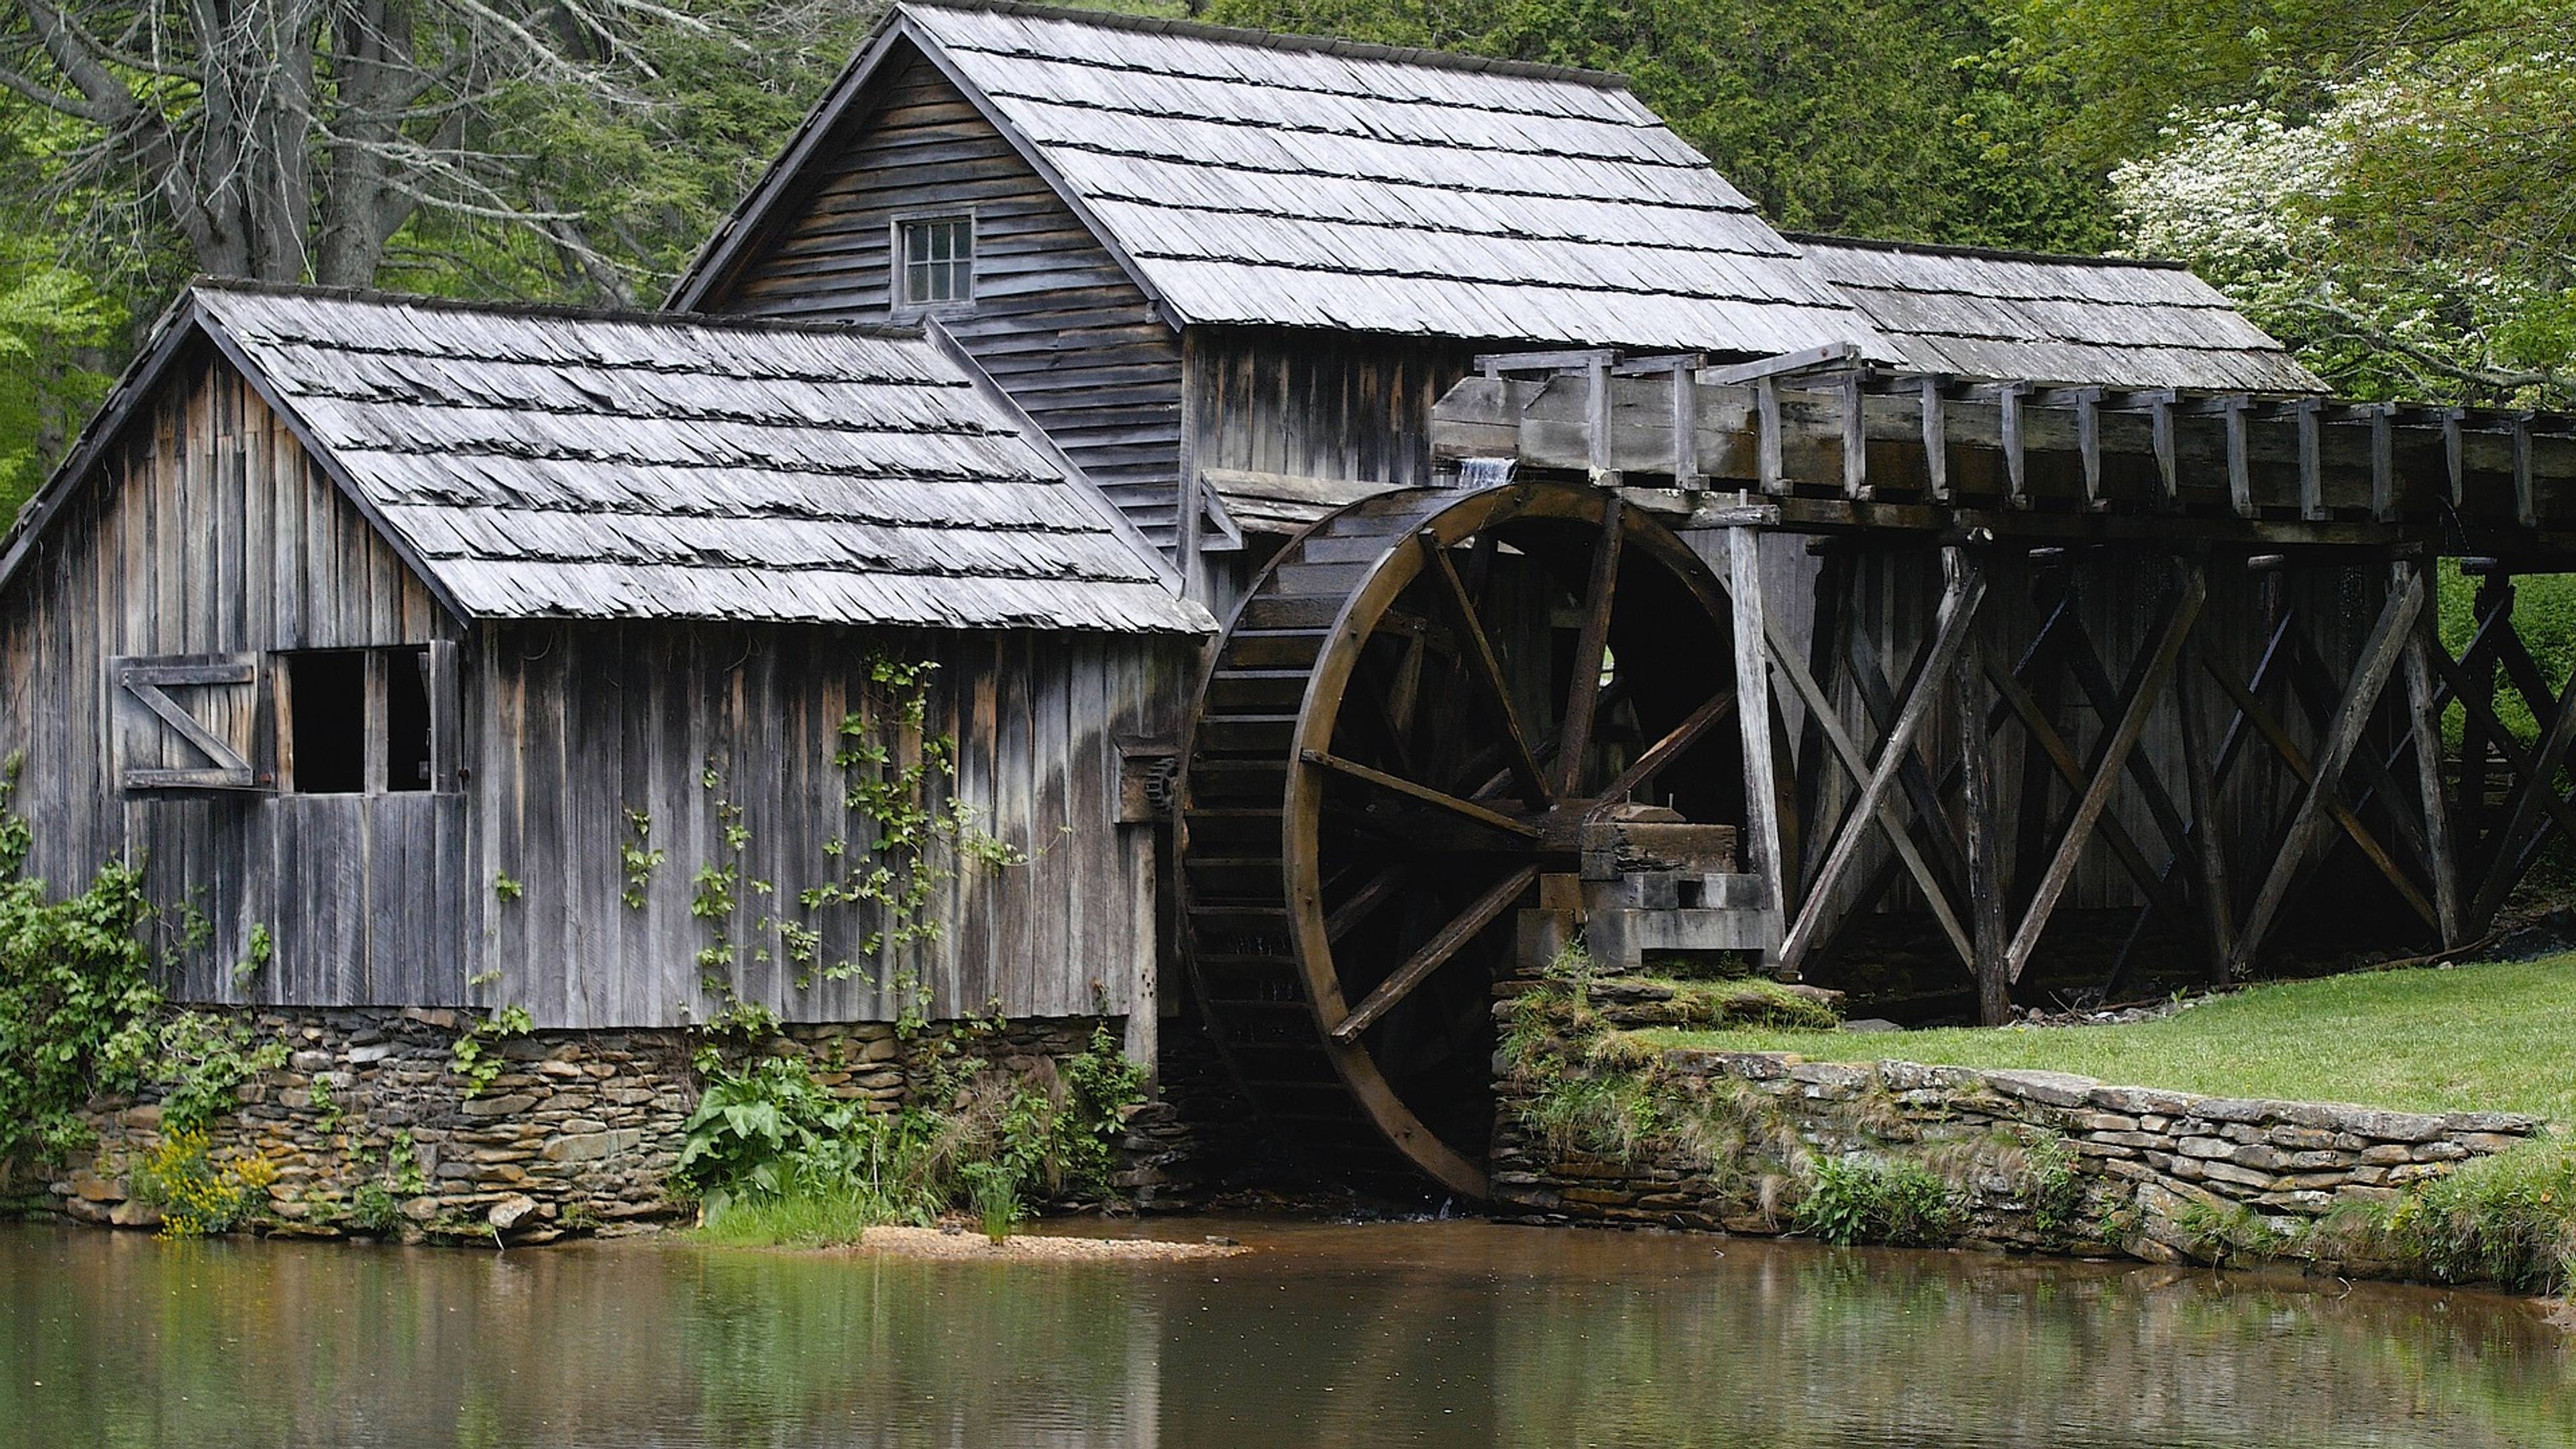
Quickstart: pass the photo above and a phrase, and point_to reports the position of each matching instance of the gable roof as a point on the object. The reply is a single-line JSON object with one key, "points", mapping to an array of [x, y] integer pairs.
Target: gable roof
{"points": [[2110, 321], [551, 463], [1249, 178]]}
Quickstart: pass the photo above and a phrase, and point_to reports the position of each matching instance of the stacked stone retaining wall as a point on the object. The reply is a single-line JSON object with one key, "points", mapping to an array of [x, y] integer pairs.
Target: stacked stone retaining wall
{"points": [[2142, 1158], [578, 1133]]}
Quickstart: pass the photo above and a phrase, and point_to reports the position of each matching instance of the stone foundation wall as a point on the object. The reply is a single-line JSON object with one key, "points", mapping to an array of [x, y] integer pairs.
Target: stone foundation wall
{"points": [[2140, 1158], [578, 1133]]}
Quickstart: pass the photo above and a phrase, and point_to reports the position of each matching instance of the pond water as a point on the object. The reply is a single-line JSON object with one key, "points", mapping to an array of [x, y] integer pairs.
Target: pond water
{"points": [[1436, 1333]]}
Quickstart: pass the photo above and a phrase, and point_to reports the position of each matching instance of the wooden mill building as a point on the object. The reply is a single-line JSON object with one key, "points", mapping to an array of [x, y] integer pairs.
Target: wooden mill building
{"points": [[1504, 528]]}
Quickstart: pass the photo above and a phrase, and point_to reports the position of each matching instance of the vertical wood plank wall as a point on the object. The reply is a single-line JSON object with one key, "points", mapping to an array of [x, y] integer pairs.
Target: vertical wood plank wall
{"points": [[591, 721], [1055, 320], [210, 532], [1310, 404]]}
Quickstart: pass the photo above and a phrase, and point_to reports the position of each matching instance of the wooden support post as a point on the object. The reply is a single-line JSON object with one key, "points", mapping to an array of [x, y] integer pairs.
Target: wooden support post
{"points": [[1596, 420], [2312, 468], [1766, 408], [1959, 606], [1686, 474], [1936, 438], [2111, 760], [2088, 445], [2160, 429], [2526, 510], [2383, 462], [2240, 475], [1984, 822], [2492, 609], [1855, 443], [2453, 460], [2008, 398], [1752, 630], [2208, 839], [2424, 721], [2379, 656]]}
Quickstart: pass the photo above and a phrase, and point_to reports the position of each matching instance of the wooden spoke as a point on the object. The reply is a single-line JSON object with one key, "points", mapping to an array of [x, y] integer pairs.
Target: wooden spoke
{"points": [[1664, 751], [1376, 891], [1423, 794], [1486, 666], [1591, 646], [2110, 757], [1434, 953]]}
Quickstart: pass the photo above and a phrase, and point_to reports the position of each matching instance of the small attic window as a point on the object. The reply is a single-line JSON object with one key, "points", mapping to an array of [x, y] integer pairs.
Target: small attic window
{"points": [[934, 261]]}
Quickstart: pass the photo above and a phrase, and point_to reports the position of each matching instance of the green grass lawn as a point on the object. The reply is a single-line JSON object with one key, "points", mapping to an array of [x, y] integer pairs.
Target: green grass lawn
{"points": [[2494, 1037]]}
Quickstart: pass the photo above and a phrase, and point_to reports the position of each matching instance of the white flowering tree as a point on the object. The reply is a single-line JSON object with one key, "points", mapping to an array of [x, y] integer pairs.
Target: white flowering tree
{"points": [[2411, 237]]}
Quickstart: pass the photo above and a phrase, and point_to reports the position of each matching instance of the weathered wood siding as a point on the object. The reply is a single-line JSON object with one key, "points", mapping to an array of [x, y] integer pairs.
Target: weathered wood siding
{"points": [[1310, 404], [1055, 320], [591, 721], [211, 532]]}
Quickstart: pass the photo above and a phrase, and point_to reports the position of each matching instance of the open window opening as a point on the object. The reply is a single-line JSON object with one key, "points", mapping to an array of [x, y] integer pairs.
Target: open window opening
{"points": [[934, 261], [358, 721]]}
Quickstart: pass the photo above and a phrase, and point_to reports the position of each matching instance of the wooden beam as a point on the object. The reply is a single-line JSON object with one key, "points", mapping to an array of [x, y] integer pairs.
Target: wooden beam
{"points": [[1421, 794], [1822, 716], [1591, 647], [1670, 748], [2312, 468], [1958, 613], [1787, 362], [2207, 839], [2111, 760], [1855, 440], [2424, 721], [2008, 398], [1433, 954], [1936, 437], [1768, 474], [1983, 845], [2453, 458], [2379, 656], [2526, 510], [2383, 462], [1686, 474], [1750, 626]]}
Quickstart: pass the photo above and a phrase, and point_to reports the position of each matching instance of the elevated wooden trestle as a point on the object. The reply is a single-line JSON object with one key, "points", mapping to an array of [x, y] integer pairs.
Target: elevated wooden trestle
{"points": [[2174, 656]]}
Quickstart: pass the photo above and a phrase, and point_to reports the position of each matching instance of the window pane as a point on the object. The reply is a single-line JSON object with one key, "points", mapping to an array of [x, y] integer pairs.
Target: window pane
{"points": [[937, 260]]}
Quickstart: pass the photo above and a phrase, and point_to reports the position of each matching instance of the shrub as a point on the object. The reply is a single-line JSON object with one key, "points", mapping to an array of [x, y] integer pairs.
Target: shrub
{"points": [[75, 995], [197, 1196], [2508, 1219], [765, 1137], [200, 1062], [1858, 1200]]}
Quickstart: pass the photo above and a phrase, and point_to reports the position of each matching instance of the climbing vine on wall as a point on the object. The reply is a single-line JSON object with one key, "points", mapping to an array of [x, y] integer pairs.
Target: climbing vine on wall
{"points": [[909, 835]]}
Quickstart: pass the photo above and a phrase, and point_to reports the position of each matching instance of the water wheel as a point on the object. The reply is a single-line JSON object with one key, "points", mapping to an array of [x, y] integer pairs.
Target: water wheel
{"points": [[1420, 707]]}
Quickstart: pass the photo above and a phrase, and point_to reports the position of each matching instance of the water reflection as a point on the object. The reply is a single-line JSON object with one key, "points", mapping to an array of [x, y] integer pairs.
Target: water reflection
{"points": [[1430, 1333]]}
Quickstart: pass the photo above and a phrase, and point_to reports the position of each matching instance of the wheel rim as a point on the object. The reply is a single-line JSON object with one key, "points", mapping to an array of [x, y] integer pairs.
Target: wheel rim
{"points": [[1438, 761]]}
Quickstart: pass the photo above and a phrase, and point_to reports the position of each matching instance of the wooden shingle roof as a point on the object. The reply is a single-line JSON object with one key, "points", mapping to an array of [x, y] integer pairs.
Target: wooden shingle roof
{"points": [[547, 463], [2074, 320], [1248, 178]]}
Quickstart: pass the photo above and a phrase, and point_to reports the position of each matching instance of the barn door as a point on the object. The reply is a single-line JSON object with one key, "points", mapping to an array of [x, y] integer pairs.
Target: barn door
{"points": [[186, 721]]}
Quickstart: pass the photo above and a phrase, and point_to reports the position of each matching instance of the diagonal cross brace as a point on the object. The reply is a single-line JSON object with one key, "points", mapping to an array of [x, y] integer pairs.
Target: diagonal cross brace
{"points": [[2379, 656], [2111, 757], [1959, 607]]}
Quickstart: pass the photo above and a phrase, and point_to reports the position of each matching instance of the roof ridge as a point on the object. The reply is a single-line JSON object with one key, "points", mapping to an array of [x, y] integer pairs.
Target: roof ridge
{"points": [[569, 312], [1282, 40], [2001, 254]]}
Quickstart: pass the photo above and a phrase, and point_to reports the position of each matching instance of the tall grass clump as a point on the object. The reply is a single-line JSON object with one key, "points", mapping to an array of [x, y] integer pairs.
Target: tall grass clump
{"points": [[2509, 1219]]}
